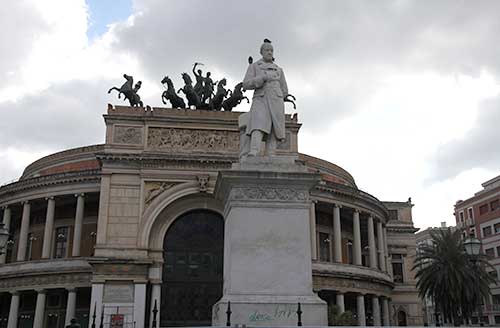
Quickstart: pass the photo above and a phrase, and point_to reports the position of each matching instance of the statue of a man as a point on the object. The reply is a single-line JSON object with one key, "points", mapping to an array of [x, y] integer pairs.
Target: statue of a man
{"points": [[267, 112]]}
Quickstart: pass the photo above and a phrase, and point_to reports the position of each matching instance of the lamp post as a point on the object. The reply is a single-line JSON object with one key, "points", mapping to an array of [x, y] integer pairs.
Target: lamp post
{"points": [[4, 236], [472, 247]]}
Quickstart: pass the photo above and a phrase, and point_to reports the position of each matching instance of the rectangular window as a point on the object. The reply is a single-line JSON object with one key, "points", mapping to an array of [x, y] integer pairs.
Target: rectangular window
{"points": [[498, 251], [487, 231], [324, 247], [61, 242], [461, 214], [494, 205], [496, 226], [470, 213], [483, 209], [397, 268], [490, 253]]}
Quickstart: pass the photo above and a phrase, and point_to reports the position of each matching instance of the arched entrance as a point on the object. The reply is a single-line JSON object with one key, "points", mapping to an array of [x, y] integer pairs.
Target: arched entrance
{"points": [[193, 251]]}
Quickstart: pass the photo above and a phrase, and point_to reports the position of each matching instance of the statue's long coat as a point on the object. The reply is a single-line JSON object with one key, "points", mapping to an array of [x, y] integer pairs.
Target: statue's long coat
{"points": [[267, 112]]}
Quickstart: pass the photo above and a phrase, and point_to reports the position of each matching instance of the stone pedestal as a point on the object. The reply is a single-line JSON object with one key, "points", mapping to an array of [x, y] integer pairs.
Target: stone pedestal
{"points": [[267, 249]]}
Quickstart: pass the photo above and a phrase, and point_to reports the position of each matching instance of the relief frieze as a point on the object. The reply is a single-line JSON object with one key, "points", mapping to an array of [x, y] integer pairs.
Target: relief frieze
{"points": [[191, 140], [55, 280], [268, 193], [127, 135]]}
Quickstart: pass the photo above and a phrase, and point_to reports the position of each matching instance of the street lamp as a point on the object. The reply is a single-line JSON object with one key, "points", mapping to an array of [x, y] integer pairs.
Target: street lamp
{"points": [[4, 236], [472, 247]]}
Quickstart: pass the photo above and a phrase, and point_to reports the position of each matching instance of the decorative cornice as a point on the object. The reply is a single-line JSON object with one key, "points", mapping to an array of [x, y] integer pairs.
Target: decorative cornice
{"points": [[153, 160], [90, 176], [351, 194]]}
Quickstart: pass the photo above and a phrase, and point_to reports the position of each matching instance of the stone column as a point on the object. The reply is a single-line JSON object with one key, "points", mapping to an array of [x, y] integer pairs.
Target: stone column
{"points": [[376, 311], [139, 304], [155, 296], [371, 243], [385, 311], [71, 306], [14, 310], [77, 235], [312, 223], [357, 238], [23, 235], [340, 302], [40, 309], [360, 300], [6, 225], [96, 302], [388, 263], [337, 234], [381, 247], [49, 228]]}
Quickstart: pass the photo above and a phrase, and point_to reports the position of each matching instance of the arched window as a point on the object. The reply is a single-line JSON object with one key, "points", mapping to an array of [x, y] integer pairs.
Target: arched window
{"points": [[193, 251]]}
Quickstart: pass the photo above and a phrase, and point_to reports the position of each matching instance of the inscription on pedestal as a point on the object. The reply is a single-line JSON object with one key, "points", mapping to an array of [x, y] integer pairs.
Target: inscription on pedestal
{"points": [[118, 293]]}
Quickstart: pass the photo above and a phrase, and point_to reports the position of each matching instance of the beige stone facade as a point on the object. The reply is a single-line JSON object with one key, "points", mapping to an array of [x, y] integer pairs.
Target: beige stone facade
{"points": [[94, 224]]}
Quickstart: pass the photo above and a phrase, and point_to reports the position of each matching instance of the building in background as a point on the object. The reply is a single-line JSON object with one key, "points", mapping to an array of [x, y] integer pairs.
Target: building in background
{"points": [[114, 229], [424, 238], [406, 306], [479, 216]]}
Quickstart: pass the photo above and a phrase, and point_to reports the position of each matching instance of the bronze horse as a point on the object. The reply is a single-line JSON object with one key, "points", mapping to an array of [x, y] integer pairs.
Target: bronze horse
{"points": [[191, 95], [129, 91], [171, 95], [235, 98], [216, 101]]}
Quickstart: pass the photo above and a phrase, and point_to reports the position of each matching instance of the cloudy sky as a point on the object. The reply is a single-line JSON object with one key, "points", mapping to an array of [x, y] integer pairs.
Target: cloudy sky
{"points": [[405, 95]]}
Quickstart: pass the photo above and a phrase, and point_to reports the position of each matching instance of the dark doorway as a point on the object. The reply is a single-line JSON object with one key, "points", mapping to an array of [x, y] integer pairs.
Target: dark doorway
{"points": [[402, 318], [192, 272]]}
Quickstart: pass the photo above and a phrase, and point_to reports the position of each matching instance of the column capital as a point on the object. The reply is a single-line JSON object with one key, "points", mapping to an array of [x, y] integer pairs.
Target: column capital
{"points": [[41, 290], [80, 195], [5, 207], [71, 289], [357, 210], [337, 205], [14, 292], [25, 202], [49, 198]]}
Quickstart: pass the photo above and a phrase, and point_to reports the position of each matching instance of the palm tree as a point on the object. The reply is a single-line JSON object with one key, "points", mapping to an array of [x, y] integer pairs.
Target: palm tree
{"points": [[455, 280]]}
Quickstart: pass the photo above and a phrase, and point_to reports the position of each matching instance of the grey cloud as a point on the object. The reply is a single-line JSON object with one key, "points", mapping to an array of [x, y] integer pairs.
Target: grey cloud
{"points": [[321, 41], [20, 26], [63, 116], [480, 147]]}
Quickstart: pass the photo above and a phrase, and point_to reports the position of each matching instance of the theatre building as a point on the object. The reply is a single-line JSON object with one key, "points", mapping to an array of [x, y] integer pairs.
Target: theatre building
{"points": [[117, 228]]}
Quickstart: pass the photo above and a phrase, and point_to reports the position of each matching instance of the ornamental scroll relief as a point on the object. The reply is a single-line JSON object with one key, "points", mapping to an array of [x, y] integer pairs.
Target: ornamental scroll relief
{"points": [[127, 135], [189, 140], [153, 189], [268, 193]]}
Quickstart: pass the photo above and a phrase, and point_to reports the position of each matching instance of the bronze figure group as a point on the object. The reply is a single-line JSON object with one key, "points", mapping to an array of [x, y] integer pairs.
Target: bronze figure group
{"points": [[200, 96]]}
